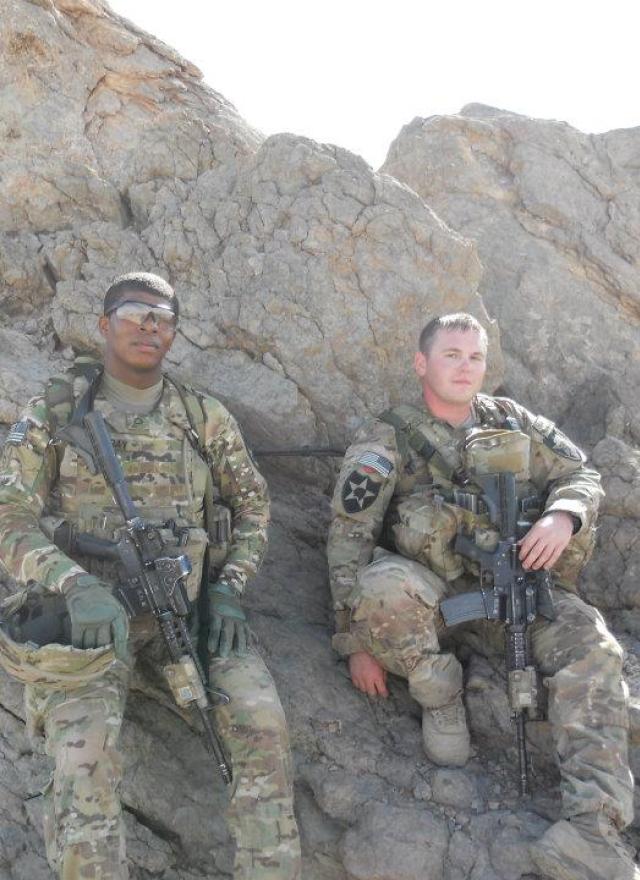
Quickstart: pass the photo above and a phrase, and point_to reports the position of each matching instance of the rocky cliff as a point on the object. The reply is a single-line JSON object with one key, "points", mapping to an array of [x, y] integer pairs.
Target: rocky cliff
{"points": [[304, 278]]}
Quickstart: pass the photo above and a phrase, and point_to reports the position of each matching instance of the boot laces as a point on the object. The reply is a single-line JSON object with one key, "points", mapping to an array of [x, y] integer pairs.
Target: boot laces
{"points": [[450, 715]]}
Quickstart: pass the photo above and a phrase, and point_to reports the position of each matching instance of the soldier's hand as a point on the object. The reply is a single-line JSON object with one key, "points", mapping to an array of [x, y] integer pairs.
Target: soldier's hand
{"points": [[368, 675], [228, 627], [97, 618], [543, 544]]}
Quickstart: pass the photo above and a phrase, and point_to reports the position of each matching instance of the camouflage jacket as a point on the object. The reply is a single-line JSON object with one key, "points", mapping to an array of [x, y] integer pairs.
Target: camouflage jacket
{"points": [[42, 481], [379, 481]]}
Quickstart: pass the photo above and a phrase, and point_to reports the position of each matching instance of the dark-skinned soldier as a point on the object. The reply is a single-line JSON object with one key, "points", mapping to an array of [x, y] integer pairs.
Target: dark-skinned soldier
{"points": [[75, 693]]}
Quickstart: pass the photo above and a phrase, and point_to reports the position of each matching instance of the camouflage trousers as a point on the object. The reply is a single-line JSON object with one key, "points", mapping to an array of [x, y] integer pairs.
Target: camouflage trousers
{"points": [[395, 618], [83, 825]]}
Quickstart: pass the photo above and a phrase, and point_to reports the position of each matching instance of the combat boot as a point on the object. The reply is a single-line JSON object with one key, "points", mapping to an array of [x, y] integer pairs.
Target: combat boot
{"points": [[445, 734], [586, 847]]}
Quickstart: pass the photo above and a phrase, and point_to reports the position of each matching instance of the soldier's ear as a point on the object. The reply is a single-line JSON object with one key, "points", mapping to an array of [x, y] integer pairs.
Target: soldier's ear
{"points": [[103, 325], [420, 364]]}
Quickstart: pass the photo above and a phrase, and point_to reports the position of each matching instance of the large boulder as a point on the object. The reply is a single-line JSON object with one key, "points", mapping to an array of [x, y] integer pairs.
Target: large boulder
{"points": [[303, 276]]}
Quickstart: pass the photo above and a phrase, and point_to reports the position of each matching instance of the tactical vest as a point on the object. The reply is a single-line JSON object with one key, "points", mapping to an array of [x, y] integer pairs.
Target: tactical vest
{"points": [[164, 461], [435, 497]]}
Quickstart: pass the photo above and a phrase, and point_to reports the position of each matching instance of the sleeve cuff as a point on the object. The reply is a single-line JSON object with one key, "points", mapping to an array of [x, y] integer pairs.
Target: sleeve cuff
{"points": [[345, 643], [575, 509]]}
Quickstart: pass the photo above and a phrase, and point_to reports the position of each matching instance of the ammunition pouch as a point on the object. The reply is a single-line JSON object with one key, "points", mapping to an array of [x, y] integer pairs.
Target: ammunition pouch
{"points": [[497, 450], [425, 531]]}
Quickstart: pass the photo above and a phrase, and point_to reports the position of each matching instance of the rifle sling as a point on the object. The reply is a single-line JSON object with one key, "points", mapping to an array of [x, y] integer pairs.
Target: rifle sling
{"points": [[409, 435]]}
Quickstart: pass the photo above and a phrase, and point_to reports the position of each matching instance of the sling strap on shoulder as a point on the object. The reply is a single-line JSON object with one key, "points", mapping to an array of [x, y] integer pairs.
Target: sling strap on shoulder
{"points": [[60, 392], [218, 527], [412, 432]]}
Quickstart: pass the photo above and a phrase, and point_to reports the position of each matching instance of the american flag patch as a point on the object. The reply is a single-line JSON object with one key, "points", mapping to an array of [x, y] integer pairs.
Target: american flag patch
{"points": [[18, 432], [378, 462]]}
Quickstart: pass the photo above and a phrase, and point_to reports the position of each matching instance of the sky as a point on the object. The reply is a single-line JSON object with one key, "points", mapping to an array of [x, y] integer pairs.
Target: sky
{"points": [[353, 72]]}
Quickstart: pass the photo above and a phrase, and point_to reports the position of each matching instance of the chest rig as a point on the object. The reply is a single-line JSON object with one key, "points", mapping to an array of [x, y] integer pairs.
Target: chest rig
{"points": [[436, 498], [164, 461]]}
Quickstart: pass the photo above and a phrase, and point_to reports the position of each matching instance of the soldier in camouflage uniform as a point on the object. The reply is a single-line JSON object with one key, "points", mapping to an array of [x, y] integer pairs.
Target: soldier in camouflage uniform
{"points": [[75, 694], [404, 492]]}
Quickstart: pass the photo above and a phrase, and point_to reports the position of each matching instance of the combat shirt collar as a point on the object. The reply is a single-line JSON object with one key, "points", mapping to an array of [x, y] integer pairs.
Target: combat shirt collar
{"points": [[127, 399]]}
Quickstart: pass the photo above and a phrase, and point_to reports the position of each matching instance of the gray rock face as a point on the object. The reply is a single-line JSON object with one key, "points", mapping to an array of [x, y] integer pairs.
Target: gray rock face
{"points": [[382, 845], [304, 278], [556, 217]]}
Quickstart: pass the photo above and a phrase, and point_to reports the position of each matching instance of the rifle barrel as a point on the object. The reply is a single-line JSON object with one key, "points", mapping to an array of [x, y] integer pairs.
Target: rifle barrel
{"points": [[319, 451], [523, 759]]}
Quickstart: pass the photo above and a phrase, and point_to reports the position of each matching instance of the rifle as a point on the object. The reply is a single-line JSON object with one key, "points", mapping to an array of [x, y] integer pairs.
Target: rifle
{"points": [[153, 582], [507, 593], [304, 451]]}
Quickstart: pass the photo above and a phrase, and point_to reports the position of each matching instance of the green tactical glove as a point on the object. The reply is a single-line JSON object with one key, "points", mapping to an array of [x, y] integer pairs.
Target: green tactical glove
{"points": [[228, 628], [97, 618]]}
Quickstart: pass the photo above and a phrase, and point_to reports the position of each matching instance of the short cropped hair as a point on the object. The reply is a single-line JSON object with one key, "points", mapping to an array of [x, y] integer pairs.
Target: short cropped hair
{"points": [[145, 282], [455, 321]]}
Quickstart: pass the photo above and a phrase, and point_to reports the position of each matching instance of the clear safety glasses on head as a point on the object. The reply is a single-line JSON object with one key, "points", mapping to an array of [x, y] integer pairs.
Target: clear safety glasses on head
{"points": [[139, 312]]}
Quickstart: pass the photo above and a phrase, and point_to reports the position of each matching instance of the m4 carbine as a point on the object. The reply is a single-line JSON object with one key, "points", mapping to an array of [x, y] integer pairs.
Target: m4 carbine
{"points": [[153, 583], [507, 593]]}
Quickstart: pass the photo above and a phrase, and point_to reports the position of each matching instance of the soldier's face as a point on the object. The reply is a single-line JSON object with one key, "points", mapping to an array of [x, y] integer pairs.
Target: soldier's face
{"points": [[135, 349], [453, 370]]}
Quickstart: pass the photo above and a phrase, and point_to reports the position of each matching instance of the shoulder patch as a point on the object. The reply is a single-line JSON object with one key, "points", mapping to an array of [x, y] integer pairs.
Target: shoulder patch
{"points": [[562, 446], [377, 462], [18, 433], [359, 492], [556, 441]]}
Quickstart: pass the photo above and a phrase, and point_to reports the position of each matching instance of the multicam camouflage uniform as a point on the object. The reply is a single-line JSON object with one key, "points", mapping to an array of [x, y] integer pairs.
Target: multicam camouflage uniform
{"points": [[392, 497], [77, 703]]}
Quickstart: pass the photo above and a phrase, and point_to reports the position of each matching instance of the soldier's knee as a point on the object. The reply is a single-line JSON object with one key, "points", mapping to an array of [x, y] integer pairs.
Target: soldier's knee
{"points": [[394, 610], [254, 720], [590, 689], [599, 659], [578, 639], [399, 583], [436, 680], [606, 657]]}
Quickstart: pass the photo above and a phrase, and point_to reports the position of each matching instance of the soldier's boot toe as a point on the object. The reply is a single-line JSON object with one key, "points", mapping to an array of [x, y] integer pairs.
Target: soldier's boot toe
{"points": [[445, 734], [586, 847]]}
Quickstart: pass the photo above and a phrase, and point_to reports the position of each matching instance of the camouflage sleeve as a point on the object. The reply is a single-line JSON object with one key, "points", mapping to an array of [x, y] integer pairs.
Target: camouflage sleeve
{"points": [[243, 488], [28, 470], [558, 468], [365, 486]]}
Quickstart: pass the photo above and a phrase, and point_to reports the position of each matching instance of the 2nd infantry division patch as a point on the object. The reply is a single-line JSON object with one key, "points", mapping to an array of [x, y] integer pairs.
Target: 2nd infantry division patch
{"points": [[18, 432], [358, 492]]}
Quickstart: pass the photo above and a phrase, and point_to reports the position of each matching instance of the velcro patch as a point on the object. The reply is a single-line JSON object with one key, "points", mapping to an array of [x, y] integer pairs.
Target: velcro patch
{"points": [[18, 432], [562, 446], [359, 492], [378, 462]]}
